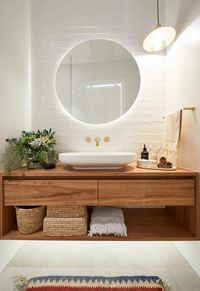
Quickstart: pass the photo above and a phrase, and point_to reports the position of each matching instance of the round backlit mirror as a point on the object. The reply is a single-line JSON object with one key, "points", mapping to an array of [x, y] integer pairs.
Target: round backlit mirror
{"points": [[98, 81]]}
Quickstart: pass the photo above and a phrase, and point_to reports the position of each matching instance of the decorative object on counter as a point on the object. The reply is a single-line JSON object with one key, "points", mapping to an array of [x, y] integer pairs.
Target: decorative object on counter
{"points": [[31, 150], [29, 218], [154, 165], [142, 163], [170, 153], [146, 163], [144, 153], [63, 221], [106, 221], [164, 163], [154, 153], [49, 165], [91, 283]]}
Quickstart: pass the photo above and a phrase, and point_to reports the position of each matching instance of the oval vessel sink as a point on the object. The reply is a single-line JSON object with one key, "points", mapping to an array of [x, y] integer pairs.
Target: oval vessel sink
{"points": [[97, 160]]}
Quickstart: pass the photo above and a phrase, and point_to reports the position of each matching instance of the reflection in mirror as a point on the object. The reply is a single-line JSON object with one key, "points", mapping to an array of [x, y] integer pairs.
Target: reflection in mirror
{"points": [[98, 81]]}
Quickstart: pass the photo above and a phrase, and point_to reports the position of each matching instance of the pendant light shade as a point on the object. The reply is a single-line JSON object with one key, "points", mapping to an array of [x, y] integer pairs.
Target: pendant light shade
{"points": [[160, 38]]}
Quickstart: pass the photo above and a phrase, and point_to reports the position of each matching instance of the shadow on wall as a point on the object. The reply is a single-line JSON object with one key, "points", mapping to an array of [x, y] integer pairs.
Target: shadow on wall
{"points": [[192, 122], [186, 11]]}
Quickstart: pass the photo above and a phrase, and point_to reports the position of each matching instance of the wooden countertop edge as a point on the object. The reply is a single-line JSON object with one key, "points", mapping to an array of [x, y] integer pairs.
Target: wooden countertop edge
{"points": [[127, 172]]}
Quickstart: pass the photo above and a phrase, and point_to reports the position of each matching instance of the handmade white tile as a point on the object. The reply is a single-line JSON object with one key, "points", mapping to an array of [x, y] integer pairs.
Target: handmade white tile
{"points": [[58, 26]]}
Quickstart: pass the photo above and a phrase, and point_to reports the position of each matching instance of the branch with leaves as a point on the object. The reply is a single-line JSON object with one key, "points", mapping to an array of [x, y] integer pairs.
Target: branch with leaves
{"points": [[31, 148]]}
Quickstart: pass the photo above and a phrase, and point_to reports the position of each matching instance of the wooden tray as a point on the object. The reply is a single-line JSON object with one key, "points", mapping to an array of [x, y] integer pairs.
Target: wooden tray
{"points": [[158, 169]]}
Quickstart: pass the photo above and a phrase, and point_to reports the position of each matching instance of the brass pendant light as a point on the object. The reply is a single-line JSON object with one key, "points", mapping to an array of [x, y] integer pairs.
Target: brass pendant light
{"points": [[160, 38]]}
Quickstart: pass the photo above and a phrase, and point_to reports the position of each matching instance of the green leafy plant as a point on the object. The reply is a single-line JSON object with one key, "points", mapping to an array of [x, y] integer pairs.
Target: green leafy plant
{"points": [[31, 149]]}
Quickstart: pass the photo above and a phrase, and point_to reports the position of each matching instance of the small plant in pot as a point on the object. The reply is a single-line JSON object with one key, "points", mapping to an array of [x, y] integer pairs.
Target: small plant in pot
{"points": [[32, 149]]}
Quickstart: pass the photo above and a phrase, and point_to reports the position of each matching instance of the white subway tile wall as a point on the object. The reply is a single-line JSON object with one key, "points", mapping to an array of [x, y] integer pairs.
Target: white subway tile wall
{"points": [[56, 27]]}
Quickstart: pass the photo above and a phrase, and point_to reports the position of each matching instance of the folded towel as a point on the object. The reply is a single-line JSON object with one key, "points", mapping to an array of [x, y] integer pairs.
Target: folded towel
{"points": [[172, 134], [107, 220]]}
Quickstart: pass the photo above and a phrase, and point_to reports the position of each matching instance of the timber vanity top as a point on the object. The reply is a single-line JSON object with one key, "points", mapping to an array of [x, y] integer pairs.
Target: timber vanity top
{"points": [[158, 205], [129, 171]]}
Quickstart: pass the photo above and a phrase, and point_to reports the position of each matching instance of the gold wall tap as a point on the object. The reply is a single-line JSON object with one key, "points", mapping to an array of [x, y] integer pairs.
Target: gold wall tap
{"points": [[106, 139], [97, 140], [88, 139]]}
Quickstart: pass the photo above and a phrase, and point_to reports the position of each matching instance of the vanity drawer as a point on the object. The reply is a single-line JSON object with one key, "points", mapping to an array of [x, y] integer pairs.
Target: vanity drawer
{"points": [[50, 192], [147, 192]]}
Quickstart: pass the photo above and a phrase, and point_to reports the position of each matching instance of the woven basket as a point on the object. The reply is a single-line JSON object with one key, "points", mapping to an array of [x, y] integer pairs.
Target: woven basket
{"points": [[29, 219], [68, 226], [59, 211]]}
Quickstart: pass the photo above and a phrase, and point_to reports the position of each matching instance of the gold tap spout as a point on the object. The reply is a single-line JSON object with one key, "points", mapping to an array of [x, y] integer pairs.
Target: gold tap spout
{"points": [[97, 140]]}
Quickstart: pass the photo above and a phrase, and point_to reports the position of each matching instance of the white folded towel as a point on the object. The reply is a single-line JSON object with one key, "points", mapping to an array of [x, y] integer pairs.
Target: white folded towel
{"points": [[107, 220]]}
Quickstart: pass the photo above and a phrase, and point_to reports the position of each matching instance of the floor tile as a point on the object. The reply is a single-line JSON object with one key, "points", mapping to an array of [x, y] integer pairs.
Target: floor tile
{"points": [[102, 258]]}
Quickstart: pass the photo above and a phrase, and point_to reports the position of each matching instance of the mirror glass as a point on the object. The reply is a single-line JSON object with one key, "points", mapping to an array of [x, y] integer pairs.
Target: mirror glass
{"points": [[98, 81]]}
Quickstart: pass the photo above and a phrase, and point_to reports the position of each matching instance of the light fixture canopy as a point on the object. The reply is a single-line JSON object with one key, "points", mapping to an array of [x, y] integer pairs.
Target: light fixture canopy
{"points": [[160, 38]]}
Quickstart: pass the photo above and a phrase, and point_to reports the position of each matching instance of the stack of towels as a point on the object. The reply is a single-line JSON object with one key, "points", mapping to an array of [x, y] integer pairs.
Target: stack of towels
{"points": [[107, 220]]}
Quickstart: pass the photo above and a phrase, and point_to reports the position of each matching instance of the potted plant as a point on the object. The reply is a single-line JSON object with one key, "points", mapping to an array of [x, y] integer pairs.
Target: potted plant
{"points": [[31, 150]]}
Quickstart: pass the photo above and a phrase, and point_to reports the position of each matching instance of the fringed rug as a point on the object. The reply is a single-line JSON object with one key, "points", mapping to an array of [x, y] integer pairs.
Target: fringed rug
{"points": [[86, 283]]}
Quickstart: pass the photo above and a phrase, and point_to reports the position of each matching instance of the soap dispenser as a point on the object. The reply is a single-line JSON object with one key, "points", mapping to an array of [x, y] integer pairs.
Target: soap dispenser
{"points": [[144, 153]]}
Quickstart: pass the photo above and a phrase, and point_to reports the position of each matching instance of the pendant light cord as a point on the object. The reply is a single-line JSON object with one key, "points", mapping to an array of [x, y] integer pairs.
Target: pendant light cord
{"points": [[158, 16]]}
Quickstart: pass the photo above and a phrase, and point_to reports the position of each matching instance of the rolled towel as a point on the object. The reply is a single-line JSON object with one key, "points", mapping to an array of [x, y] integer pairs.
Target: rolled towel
{"points": [[107, 220]]}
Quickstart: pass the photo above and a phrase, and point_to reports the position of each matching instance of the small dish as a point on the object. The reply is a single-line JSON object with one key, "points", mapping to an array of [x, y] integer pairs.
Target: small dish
{"points": [[142, 163]]}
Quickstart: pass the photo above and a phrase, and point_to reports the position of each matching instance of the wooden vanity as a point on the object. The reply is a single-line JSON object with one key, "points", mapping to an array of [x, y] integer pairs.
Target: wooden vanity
{"points": [[158, 205]]}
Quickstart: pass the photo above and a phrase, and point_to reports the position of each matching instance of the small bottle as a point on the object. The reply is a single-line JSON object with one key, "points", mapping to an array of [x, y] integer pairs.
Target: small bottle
{"points": [[144, 153]]}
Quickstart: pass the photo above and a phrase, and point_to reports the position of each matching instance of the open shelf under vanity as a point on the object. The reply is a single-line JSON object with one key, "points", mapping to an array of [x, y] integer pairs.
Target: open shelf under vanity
{"points": [[142, 224], [157, 205]]}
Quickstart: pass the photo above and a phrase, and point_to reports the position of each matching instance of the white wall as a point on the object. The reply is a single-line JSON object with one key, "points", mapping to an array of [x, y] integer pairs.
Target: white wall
{"points": [[183, 89], [14, 69], [14, 88], [57, 26]]}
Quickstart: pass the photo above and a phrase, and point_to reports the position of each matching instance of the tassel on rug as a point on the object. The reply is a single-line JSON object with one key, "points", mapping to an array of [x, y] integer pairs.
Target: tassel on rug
{"points": [[165, 286], [21, 283]]}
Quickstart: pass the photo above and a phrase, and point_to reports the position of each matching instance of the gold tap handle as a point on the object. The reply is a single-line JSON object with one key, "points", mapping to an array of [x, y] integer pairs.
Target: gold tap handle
{"points": [[106, 139], [88, 139], [97, 140]]}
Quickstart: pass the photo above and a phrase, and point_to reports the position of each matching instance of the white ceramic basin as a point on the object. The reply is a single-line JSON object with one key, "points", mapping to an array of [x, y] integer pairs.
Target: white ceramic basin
{"points": [[97, 160]]}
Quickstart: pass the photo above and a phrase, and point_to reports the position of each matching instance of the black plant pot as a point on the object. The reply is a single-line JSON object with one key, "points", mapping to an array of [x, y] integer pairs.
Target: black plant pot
{"points": [[49, 165]]}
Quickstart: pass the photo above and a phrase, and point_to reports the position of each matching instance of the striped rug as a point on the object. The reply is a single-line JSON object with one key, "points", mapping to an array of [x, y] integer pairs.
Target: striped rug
{"points": [[96, 283]]}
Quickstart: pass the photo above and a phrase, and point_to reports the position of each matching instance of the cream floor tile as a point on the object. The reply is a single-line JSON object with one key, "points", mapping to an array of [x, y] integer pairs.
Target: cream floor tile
{"points": [[127, 254], [7, 277], [102, 258], [186, 277], [54, 254], [132, 258]]}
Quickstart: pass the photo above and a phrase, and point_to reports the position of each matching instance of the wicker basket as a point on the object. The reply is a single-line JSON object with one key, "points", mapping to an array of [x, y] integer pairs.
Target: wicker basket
{"points": [[29, 219], [59, 211], [68, 226]]}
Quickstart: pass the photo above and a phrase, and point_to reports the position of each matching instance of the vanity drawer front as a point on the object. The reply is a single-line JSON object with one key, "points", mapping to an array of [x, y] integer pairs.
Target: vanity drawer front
{"points": [[147, 192], [50, 192]]}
